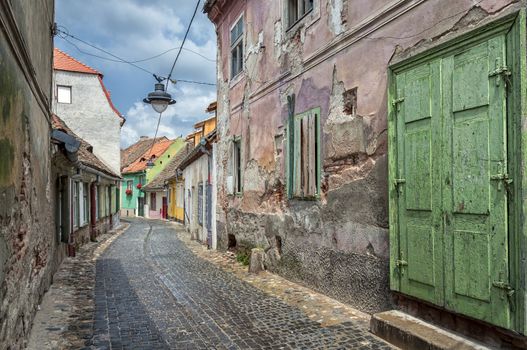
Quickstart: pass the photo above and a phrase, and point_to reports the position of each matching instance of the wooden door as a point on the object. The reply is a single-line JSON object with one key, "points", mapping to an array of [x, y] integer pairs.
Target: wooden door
{"points": [[452, 182], [475, 182], [420, 260]]}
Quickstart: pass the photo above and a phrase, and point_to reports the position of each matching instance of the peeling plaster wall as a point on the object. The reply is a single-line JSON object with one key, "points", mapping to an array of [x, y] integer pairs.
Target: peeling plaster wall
{"points": [[29, 247], [338, 244]]}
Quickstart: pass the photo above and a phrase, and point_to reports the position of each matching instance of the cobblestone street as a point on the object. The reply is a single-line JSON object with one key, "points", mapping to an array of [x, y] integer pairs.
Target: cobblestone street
{"points": [[153, 292]]}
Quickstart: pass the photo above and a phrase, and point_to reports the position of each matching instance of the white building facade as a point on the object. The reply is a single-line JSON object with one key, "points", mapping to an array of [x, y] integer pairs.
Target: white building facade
{"points": [[83, 102]]}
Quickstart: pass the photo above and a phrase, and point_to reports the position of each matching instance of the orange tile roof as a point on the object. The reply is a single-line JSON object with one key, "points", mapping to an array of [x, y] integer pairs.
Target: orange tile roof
{"points": [[140, 164], [135, 151], [63, 61]]}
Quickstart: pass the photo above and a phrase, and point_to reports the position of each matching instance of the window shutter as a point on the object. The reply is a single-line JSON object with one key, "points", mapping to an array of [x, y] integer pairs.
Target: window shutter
{"points": [[297, 156], [230, 168], [312, 154], [291, 143]]}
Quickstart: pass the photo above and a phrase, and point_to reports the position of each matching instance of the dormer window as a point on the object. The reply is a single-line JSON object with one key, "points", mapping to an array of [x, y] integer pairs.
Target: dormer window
{"points": [[298, 9], [237, 48]]}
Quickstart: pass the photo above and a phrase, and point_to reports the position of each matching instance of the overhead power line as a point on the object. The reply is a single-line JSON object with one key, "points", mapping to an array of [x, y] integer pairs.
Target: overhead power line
{"points": [[172, 69], [183, 42], [64, 35]]}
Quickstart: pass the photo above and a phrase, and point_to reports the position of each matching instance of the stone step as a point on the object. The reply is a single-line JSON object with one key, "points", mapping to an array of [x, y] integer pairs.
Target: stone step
{"points": [[408, 332]]}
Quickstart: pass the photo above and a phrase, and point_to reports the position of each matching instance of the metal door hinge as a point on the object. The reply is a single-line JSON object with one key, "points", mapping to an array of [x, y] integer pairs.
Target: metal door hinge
{"points": [[502, 177], [508, 289], [397, 182], [397, 101], [401, 263], [503, 72]]}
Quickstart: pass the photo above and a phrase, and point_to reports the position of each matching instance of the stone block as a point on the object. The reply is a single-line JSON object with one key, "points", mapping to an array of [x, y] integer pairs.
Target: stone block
{"points": [[256, 263]]}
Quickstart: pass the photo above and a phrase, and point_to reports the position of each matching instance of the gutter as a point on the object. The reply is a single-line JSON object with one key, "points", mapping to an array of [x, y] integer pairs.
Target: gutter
{"points": [[96, 172]]}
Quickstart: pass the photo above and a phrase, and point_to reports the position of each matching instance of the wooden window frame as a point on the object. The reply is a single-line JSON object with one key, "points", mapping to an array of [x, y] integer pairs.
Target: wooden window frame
{"points": [[236, 49], [76, 205], [237, 166], [86, 202], [295, 172], [130, 185], [108, 200], [298, 10], [201, 193]]}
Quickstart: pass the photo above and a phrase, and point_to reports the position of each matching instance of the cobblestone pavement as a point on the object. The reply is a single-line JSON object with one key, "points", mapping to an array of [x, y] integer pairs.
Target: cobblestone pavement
{"points": [[152, 292], [65, 318]]}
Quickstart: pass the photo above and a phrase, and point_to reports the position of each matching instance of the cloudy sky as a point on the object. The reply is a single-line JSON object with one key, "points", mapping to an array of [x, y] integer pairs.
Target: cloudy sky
{"points": [[136, 30]]}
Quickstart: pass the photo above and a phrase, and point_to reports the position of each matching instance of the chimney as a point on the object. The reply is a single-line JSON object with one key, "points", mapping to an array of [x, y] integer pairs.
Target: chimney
{"points": [[143, 137]]}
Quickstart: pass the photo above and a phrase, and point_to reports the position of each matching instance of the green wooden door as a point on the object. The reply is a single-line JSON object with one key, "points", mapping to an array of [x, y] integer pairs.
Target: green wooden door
{"points": [[420, 261], [452, 182]]}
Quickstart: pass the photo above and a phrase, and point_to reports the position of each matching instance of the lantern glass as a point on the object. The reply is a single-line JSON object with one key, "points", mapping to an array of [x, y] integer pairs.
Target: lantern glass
{"points": [[159, 105]]}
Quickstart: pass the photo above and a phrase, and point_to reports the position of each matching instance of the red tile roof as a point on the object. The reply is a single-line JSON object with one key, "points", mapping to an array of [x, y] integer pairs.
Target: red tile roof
{"points": [[156, 151], [63, 61], [107, 94], [133, 152]]}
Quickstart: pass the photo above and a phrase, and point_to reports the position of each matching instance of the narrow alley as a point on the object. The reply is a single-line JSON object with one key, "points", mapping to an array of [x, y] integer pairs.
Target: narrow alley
{"points": [[249, 174], [152, 292]]}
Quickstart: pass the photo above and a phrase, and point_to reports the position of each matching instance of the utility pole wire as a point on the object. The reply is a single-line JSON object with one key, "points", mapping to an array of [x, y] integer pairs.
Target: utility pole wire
{"points": [[172, 70], [183, 42], [64, 35]]}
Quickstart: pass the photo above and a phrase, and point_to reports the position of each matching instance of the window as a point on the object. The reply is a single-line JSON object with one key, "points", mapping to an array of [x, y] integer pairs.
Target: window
{"points": [[305, 155], [108, 196], [63, 94], [86, 211], [200, 203], [298, 9], [129, 185], [142, 179], [237, 163], [96, 199], [113, 199], [153, 201], [180, 195], [76, 204], [237, 48]]}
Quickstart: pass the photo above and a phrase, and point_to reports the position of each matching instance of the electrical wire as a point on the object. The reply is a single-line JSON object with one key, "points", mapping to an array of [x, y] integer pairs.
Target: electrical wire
{"points": [[183, 42], [172, 70], [136, 61], [64, 35]]}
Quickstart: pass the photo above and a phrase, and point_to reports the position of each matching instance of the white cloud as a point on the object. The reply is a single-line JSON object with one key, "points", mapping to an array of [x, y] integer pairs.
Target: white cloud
{"points": [[138, 29], [177, 120]]}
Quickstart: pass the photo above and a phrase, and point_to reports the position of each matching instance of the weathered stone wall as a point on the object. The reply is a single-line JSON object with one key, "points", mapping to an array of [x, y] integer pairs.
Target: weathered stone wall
{"points": [[339, 243], [90, 116], [29, 247]]}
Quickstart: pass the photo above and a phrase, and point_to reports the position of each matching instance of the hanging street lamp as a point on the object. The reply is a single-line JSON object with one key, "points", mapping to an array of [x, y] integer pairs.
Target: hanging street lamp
{"points": [[159, 98]]}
